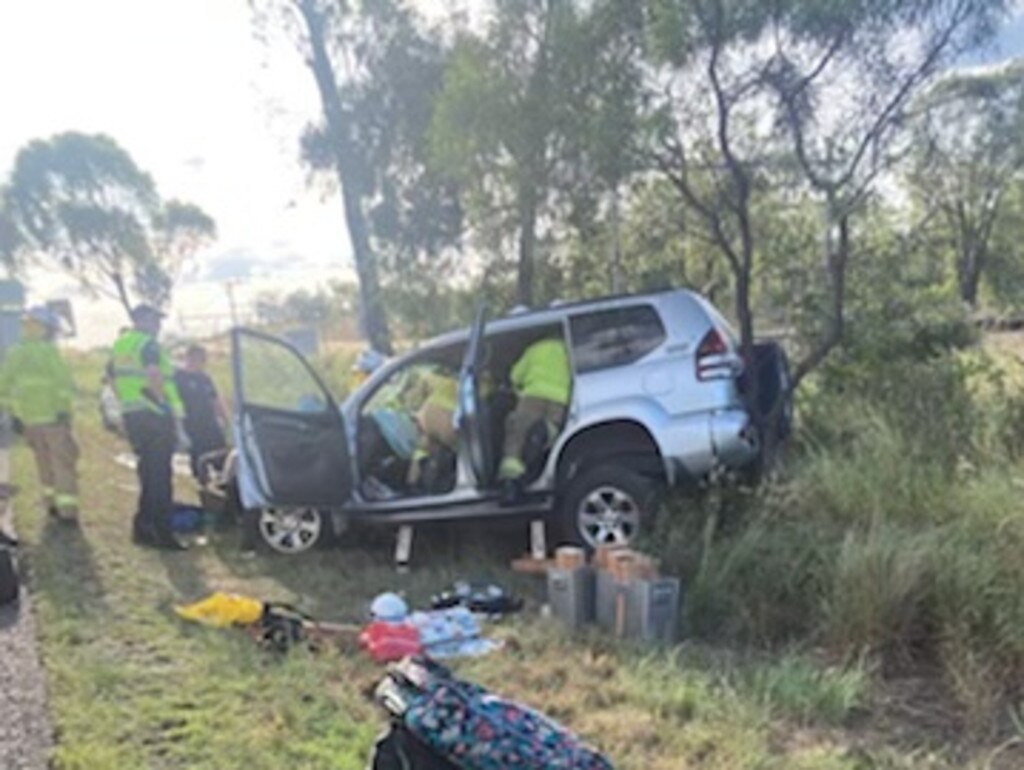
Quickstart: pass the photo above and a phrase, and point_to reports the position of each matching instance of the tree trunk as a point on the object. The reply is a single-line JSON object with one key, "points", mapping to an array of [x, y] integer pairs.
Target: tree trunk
{"points": [[969, 270], [122, 293], [527, 242], [371, 314], [616, 266], [970, 278], [744, 315]]}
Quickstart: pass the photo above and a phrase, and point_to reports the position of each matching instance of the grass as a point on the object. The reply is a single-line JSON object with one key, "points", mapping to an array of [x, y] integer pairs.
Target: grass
{"points": [[801, 603], [132, 686]]}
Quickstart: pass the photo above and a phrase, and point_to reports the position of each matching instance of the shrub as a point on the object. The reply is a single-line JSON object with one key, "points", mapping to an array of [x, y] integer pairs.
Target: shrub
{"points": [[876, 599], [760, 584], [896, 530]]}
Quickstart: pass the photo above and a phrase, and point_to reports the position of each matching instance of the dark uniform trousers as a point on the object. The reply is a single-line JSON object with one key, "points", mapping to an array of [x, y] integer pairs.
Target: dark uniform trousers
{"points": [[153, 439]]}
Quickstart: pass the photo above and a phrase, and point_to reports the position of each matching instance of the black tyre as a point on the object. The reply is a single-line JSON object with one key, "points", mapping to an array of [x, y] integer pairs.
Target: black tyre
{"points": [[289, 531], [607, 504]]}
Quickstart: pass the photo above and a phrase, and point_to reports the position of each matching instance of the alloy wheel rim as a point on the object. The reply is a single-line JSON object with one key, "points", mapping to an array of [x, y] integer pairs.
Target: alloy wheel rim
{"points": [[290, 530], [608, 516]]}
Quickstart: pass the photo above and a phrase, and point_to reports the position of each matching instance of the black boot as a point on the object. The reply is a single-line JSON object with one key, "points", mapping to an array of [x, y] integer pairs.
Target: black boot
{"points": [[511, 493], [8, 541]]}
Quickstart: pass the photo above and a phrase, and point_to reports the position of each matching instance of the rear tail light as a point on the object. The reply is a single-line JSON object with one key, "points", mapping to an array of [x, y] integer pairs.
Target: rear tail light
{"points": [[714, 360]]}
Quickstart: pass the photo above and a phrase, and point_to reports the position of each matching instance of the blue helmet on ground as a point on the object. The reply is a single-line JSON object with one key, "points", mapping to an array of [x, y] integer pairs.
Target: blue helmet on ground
{"points": [[389, 607]]}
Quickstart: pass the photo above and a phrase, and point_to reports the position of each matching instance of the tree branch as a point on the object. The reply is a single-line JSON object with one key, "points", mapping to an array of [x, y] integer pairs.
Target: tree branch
{"points": [[836, 268], [921, 72], [707, 212]]}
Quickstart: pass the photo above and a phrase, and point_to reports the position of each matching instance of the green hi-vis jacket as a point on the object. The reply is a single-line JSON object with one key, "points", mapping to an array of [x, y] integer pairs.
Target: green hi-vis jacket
{"points": [[130, 381], [35, 382], [543, 372]]}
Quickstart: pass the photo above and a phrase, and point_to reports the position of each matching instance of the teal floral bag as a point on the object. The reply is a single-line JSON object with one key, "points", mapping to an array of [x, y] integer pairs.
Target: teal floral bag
{"points": [[476, 730]]}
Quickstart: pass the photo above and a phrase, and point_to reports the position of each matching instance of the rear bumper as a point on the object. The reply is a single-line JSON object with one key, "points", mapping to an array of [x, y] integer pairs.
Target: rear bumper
{"points": [[734, 438], [694, 445]]}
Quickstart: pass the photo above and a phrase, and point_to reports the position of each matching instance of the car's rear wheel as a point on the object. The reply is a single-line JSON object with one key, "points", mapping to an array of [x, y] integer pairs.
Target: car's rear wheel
{"points": [[607, 505], [289, 530]]}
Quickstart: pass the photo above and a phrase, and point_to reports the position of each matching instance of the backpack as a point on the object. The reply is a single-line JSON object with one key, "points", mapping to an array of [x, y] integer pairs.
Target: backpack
{"points": [[282, 627], [473, 729], [8, 577], [398, 749]]}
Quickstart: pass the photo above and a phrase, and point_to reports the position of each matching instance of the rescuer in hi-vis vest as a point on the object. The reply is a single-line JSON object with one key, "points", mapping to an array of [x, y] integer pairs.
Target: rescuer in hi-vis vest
{"points": [[543, 381], [152, 411], [36, 386], [435, 420]]}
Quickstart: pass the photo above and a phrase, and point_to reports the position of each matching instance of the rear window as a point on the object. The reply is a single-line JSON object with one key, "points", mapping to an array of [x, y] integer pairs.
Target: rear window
{"points": [[617, 337]]}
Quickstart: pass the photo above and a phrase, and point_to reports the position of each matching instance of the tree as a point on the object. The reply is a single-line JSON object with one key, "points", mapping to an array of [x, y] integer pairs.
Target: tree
{"points": [[501, 120], [180, 230], [971, 140], [656, 245], [337, 40], [805, 96], [414, 216], [1004, 272], [599, 149], [81, 202]]}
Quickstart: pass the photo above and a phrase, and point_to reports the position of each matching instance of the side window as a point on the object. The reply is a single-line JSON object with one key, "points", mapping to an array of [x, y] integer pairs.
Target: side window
{"points": [[607, 338], [276, 377]]}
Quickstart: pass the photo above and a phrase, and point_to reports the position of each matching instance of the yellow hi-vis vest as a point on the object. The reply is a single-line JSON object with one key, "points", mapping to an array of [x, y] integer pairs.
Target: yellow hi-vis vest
{"points": [[130, 381], [543, 372], [35, 382], [444, 391]]}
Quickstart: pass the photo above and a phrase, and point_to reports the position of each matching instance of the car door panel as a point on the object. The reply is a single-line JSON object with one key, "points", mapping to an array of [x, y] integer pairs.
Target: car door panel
{"points": [[291, 436]]}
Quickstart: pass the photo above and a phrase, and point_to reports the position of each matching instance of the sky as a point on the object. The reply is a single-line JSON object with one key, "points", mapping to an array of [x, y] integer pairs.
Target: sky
{"points": [[213, 115], [210, 112]]}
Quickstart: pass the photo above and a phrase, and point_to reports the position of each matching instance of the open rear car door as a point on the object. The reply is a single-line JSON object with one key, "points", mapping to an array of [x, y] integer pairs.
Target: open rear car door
{"points": [[291, 438]]}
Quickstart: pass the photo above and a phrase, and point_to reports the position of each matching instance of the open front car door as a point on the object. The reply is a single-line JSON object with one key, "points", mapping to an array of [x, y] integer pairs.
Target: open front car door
{"points": [[291, 438]]}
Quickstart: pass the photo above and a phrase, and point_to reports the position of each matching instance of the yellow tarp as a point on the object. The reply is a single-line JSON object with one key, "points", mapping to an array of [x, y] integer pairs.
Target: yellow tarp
{"points": [[221, 610]]}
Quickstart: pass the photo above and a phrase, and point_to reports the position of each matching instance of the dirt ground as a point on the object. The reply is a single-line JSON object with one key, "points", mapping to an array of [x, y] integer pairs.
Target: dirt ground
{"points": [[26, 736]]}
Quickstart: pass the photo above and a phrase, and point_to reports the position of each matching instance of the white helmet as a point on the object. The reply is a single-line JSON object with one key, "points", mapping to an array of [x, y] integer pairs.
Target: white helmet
{"points": [[389, 607]]}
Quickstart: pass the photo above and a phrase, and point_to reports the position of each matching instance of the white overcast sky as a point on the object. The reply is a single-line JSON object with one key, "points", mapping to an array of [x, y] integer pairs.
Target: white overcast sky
{"points": [[210, 112], [213, 114]]}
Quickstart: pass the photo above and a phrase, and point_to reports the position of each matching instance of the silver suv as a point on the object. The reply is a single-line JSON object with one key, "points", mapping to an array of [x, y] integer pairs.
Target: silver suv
{"points": [[658, 399]]}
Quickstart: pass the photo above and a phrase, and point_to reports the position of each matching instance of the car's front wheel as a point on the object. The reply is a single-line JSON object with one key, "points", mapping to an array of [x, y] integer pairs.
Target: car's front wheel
{"points": [[289, 530], [606, 505]]}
